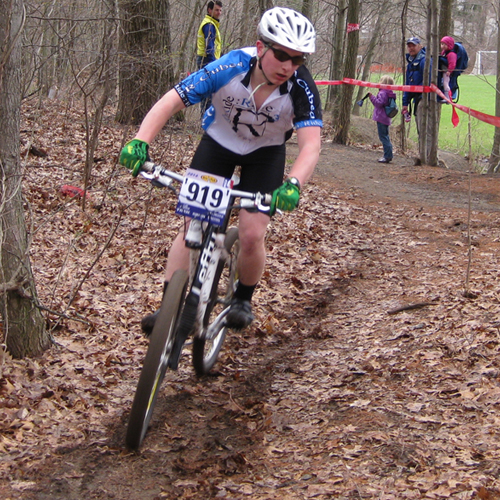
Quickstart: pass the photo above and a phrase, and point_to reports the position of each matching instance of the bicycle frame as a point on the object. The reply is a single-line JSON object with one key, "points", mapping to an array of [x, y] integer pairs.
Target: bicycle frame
{"points": [[204, 256], [180, 315]]}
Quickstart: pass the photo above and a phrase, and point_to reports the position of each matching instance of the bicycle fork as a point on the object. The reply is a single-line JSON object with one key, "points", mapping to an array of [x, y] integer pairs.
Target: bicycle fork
{"points": [[199, 294]]}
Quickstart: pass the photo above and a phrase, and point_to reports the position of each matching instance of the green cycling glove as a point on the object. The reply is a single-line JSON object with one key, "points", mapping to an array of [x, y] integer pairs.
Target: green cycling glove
{"points": [[134, 154], [286, 197]]}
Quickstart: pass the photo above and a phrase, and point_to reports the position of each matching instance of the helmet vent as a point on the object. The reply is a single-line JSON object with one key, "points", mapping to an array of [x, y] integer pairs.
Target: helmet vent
{"points": [[288, 28]]}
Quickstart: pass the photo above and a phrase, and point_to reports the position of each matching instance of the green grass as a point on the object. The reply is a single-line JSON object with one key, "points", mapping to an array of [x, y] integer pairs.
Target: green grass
{"points": [[478, 93]]}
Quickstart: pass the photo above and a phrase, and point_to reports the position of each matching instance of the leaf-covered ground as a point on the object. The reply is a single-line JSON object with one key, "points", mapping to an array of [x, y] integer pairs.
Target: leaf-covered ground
{"points": [[371, 371]]}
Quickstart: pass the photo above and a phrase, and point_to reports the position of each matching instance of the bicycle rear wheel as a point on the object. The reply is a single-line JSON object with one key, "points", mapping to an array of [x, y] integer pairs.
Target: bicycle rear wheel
{"points": [[156, 360], [208, 342]]}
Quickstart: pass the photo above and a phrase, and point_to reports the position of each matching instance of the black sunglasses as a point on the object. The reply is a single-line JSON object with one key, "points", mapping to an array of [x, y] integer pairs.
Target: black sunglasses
{"points": [[282, 56]]}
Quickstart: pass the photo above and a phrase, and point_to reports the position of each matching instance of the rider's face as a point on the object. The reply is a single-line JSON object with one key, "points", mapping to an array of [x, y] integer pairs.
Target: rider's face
{"points": [[275, 70]]}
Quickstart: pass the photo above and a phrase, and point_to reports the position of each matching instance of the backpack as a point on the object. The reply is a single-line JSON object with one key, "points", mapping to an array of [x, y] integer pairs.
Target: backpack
{"points": [[391, 110], [462, 58], [462, 63]]}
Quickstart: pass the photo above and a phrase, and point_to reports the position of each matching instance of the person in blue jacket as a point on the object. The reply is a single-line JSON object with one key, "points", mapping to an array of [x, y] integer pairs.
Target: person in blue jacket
{"points": [[259, 96], [414, 76], [380, 101]]}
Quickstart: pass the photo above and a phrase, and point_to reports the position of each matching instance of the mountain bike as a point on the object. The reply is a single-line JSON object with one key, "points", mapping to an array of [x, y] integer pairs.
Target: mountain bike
{"points": [[195, 303]]}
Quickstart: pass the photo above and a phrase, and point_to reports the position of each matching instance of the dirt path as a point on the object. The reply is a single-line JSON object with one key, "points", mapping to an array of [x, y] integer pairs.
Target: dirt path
{"points": [[358, 169], [368, 374]]}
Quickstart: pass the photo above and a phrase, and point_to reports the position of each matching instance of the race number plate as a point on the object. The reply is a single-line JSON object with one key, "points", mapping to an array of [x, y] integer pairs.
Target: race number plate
{"points": [[204, 196]]}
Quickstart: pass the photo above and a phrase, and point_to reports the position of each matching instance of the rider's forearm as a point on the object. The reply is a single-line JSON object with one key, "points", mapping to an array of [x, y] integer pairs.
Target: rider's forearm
{"points": [[309, 141], [158, 116]]}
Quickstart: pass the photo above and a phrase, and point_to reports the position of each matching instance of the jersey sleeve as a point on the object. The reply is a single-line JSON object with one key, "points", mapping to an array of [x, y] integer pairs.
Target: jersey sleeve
{"points": [[206, 81], [306, 100]]}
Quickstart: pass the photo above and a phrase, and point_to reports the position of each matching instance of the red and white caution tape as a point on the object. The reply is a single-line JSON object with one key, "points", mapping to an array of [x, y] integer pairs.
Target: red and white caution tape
{"points": [[360, 83], [492, 120]]}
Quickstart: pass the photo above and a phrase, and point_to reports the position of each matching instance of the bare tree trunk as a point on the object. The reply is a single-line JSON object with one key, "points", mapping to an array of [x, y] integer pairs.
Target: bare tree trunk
{"points": [[434, 106], [265, 5], [445, 19], [99, 95], [23, 323], [184, 57], [423, 106], [251, 12], [494, 159], [404, 19], [146, 69], [307, 8], [344, 117]]}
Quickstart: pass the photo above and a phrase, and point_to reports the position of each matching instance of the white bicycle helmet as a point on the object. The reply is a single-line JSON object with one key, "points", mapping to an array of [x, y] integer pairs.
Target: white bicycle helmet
{"points": [[288, 28]]}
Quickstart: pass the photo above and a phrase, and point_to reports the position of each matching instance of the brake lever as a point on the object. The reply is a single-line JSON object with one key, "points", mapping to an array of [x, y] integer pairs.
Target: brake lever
{"points": [[159, 182]]}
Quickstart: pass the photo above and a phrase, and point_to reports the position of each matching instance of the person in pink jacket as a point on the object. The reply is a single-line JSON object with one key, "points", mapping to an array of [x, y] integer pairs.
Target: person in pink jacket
{"points": [[447, 44], [380, 101]]}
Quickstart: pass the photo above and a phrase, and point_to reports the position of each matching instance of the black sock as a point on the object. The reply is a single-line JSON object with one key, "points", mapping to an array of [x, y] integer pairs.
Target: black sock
{"points": [[244, 292]]}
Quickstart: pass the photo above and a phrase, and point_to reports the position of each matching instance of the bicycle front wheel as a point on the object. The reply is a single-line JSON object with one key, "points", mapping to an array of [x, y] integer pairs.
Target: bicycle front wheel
{"points": [[156, 360], [208, 342]]}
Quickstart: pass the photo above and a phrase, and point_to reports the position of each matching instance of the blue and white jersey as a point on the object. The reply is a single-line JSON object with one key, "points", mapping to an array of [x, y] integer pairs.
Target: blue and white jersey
{"points": [[233, 119]]}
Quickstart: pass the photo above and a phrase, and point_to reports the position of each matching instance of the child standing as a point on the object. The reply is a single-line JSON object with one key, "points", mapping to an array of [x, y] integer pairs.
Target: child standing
{"points": [[447, 44], [380, 101]]}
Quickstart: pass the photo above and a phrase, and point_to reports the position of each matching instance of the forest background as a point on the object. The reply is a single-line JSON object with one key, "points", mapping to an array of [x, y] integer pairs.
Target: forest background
{"points": [[126, 54], [76, 79], [116, 58]]}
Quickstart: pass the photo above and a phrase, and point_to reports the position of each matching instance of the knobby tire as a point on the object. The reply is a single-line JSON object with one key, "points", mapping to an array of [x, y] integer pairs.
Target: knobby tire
{"points": [[206, 352], [156, 360]]}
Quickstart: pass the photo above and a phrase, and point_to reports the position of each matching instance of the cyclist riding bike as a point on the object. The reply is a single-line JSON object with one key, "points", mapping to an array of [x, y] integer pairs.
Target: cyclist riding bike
{"points": [[259, 95]]}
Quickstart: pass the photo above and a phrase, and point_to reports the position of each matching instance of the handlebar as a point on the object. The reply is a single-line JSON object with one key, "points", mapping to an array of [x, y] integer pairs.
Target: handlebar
{"points": [[159, 175], [162, 177]]}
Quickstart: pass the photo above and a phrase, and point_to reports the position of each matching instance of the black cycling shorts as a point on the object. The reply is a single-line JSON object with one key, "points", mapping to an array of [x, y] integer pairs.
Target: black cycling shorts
{"points": [[261, 171]]}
